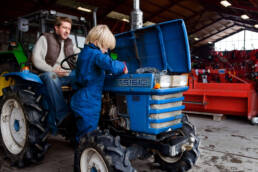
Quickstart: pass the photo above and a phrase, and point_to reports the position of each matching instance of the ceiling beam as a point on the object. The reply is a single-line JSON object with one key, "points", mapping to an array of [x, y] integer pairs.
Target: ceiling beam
{"points": [[231, 15], [103, 8], [162, 9], [254, 3], [189, 9], [239, 30], [219, 31], [114, 7], [232, 10], [237, 19], [247, 27], [215, 5], [193, 27], [200, 13], [205, 26], [244, 9]]}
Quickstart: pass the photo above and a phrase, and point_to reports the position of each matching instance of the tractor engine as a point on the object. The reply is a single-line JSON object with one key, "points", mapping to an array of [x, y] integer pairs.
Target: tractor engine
{"points": [[114, 111]]}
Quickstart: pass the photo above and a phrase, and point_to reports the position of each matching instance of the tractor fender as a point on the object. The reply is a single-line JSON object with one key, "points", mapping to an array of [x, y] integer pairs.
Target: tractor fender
{"points": [[25, 75]]}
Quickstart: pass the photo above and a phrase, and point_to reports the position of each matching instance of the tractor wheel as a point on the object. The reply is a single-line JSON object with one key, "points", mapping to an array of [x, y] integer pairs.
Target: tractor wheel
{"points": [[184, 161], [23, 126], [101, 152]]}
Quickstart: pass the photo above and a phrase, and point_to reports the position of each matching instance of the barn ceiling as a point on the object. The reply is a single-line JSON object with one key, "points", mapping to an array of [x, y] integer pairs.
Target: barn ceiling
{"points": [[207, 21]]}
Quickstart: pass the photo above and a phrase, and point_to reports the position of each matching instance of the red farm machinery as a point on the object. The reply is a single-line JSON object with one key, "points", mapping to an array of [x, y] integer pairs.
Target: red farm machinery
{"points": [[226, 83]]}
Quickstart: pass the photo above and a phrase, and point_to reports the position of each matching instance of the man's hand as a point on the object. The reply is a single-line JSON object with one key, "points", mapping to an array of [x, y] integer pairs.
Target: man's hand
{"points": [[61, 72]]}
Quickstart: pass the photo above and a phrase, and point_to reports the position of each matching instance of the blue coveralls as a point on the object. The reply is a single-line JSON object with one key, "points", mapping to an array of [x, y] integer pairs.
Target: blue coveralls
{"points": [[90, 75]]}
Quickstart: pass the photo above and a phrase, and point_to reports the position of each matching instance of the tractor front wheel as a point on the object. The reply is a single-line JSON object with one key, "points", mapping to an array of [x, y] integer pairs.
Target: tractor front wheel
{"points": [[184, 161], [101, 152]]}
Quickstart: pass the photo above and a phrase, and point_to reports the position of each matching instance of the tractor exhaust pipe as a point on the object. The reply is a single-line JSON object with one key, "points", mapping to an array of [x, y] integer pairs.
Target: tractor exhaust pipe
{"points": [[95, 16], [136, 16]]}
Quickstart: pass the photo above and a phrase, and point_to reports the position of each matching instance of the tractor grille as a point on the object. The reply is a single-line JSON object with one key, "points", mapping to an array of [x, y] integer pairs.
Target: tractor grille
{"points": [[166, 110], [165, 115], [165, 124], [166, 105], [168, 96]]}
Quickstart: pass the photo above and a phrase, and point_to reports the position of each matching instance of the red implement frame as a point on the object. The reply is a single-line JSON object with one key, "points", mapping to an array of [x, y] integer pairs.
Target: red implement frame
{"points": [[238, 99]]}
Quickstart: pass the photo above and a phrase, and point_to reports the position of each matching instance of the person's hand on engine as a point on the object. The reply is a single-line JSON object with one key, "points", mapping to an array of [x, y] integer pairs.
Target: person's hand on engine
{"points": [[125, 71]]}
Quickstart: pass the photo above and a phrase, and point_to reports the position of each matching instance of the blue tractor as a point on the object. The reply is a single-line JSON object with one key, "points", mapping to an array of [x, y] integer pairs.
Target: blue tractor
{"points": [[141, 111]]}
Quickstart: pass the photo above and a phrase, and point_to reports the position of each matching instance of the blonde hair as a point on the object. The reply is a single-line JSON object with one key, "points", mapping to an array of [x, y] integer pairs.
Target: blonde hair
{"points": [[102, 37]]}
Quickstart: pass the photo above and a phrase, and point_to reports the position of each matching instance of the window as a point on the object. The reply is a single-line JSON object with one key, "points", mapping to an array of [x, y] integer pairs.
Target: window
{"points": [[244, 40], [80, 40]]}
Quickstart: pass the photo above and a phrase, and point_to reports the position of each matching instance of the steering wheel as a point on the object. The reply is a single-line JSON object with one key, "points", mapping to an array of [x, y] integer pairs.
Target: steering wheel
{"points": [[71, 61]]}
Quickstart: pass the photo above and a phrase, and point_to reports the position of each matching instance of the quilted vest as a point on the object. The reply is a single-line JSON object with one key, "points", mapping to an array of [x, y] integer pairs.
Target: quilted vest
{"points": [[54, 47]]}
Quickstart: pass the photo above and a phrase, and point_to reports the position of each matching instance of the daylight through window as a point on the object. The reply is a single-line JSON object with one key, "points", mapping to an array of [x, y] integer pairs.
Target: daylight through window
{"points": [[244, 40]]}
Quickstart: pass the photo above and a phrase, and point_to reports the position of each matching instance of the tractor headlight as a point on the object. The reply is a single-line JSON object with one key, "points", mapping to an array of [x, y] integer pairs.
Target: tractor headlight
{"points": [[166, 81]]}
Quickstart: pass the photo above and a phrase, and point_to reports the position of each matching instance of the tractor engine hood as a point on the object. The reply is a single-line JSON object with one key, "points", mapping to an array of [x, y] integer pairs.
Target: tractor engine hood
{"points": [[163, 46]]}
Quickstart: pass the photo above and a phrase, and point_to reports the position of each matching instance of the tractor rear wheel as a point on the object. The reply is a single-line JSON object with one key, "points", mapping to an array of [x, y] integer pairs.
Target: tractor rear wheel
{"points": [[101, 152], [23, 126]]}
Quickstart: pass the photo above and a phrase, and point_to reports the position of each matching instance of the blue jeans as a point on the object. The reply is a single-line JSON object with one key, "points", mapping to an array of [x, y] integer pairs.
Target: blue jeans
{"points": [[57, 106]]}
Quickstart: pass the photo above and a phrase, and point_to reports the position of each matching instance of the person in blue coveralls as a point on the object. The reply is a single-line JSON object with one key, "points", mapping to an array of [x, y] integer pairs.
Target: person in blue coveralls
{"points": [[92, 63]]}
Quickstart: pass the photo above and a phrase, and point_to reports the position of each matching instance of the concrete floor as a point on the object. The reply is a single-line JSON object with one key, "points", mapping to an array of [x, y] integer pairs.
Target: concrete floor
{"points": [[230, 145]]}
